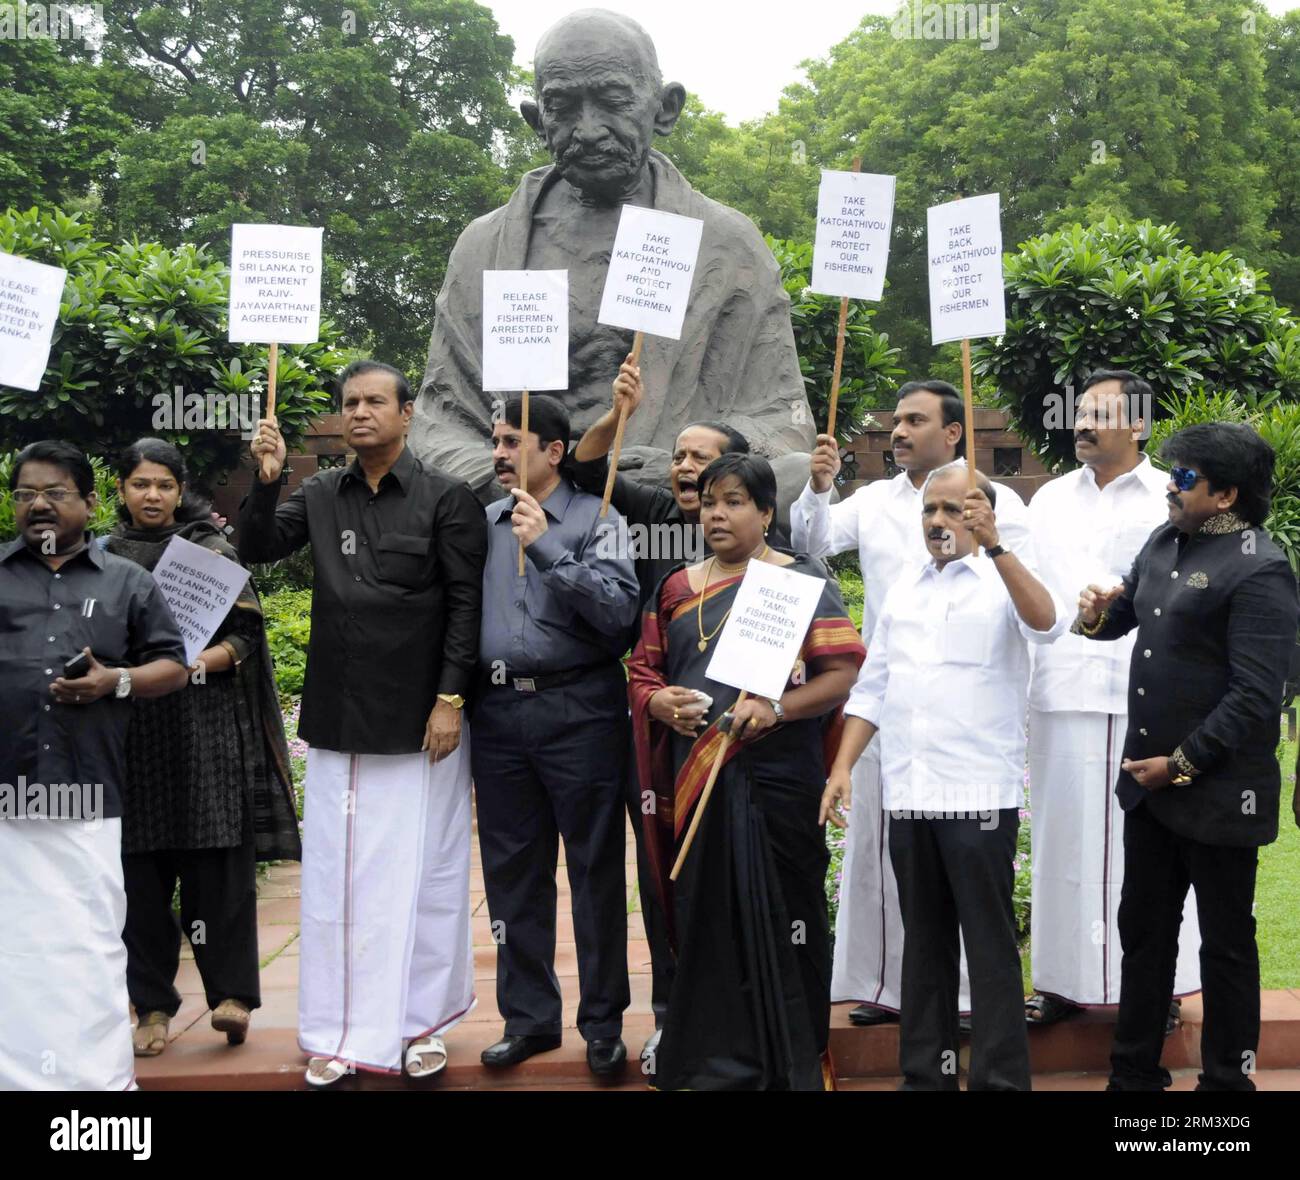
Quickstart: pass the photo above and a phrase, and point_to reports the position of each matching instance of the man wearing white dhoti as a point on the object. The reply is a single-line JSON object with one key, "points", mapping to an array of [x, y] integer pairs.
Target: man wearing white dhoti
{"points": [[1087, 527], [398, 549], [65, 1020], [879, 520]]}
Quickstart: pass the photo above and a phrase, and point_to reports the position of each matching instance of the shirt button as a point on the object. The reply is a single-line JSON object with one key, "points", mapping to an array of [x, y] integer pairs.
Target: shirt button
{"points": [[1142, 692], [1143, 732], [1146, 655], [57, 606], [46, 746], [57, 577], [47, 708], [1157, 610], [520, 604], [1174, 574], [51, 638], [356, 577]]}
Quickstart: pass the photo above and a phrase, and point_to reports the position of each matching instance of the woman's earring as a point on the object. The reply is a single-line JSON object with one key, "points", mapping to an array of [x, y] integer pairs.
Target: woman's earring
{"points": [[179, 501]]}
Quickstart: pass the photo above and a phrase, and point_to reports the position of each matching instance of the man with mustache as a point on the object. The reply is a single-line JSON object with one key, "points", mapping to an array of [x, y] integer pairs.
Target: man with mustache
{"points": [[1088, 526], [879, 521], [599, 102], [64, 1014], [1213, 601], [397, 552], [551, 739], [945, 681]]}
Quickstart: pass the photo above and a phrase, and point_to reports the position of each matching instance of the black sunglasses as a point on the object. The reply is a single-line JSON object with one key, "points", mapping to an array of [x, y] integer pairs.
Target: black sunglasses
{"points": [[1184, 478]]}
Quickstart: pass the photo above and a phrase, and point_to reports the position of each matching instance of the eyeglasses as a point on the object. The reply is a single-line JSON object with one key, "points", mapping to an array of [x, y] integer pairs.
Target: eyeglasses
{"points": [[1184, 478], [53, 495]]}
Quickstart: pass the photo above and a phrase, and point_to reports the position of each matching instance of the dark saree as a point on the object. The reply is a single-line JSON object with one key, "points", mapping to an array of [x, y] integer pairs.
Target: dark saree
{"points": [[750, 1004]]}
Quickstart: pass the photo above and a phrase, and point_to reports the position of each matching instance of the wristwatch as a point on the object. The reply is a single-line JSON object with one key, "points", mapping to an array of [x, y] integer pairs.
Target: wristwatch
{"points": [[996, 551], [123, 688], [454, 699], [779, 711]]}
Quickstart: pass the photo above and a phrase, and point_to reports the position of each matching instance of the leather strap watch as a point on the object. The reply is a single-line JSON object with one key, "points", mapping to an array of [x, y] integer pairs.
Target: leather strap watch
{"points": [[996, 551]]}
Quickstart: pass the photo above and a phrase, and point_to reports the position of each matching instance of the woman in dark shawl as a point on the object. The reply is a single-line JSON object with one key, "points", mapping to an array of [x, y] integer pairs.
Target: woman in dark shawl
{"points": [[750, 1001], [208, 791]]}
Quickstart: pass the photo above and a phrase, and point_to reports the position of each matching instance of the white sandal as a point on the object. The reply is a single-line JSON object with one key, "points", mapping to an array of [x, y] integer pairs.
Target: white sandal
{"points": [[334, 1071], [415, 1068]]}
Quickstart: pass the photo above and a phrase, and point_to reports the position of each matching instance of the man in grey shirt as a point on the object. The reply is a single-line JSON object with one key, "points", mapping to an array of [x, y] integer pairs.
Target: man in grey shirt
{"points": [[550, 740]]}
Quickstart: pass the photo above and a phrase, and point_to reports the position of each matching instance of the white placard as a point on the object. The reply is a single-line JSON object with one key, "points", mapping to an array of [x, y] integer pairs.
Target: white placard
{"points": [[29, 309], [855, 213], [525, 329], [764, 633], [650, 271], [200, 586], [275, 284], [965, 243]]}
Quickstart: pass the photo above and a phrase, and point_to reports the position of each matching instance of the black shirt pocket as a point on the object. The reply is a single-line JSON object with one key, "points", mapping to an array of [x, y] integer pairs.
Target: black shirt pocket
{"points": [[403, 559]]}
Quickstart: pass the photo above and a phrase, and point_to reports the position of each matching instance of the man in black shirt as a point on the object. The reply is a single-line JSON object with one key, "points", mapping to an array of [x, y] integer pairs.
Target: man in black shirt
{"points": [[398, 550], [664, 530], [64, 1014], [1214, 602]]}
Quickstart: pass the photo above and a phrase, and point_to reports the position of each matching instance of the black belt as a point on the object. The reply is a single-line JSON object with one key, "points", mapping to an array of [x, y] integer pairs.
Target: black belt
{"points": [[540, 682]]}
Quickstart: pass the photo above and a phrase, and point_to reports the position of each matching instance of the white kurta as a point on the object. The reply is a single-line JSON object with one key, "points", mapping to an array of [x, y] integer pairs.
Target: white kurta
{"points": [[1078, 697], [387, 952], [65, 1020], [882, 521]]}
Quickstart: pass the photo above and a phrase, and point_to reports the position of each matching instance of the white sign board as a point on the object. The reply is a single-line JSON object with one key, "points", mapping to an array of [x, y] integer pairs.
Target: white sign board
{"points": [[650, 271], [525, 329], [29, 308], [764, 633], [200, 586], [965, 243], [855, 213], [275, 284]]}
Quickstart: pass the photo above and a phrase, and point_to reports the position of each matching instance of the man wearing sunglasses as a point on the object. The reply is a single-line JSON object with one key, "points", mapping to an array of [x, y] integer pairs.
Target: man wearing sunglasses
{"points": [[1087, 526], [1214, 604]]}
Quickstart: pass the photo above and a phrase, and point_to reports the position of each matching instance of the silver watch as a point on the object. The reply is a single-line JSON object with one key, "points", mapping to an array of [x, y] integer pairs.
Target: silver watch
{"points": [[779, 711], [123, 688]]}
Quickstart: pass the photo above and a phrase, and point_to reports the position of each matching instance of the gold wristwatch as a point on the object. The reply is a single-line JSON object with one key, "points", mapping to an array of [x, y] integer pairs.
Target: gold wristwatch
{"points": [[454, 699]]}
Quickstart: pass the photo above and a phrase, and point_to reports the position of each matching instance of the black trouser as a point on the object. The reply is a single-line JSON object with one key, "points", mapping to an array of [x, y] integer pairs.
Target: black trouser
{"points": [[1159, 865], [956, 876], [218, 916], [551, 764], [652, 910]]}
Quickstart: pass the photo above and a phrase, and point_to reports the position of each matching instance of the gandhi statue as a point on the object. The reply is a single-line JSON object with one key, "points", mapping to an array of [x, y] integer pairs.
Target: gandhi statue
{"points": [[599, 101]]}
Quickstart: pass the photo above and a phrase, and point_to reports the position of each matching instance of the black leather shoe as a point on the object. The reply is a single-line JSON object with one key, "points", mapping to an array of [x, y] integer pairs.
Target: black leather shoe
{"points": [[606, 1056], [868, 1014], [512, 1050]]}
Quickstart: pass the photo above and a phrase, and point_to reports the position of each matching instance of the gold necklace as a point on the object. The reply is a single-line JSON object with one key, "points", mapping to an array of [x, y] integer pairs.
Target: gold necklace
{"points": [[703, 643]]}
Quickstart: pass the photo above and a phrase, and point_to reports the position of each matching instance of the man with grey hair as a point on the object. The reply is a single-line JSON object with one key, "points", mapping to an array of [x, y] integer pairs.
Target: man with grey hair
{"points": [[600, 100]]}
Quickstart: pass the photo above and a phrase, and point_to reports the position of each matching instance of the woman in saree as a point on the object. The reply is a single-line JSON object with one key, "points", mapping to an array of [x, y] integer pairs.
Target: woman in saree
{"points": [[750, 1001], [208, 786]]}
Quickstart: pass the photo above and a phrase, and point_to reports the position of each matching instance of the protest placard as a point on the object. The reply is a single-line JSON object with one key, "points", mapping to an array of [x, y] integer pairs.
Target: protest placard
{"points": [[275, 275], [29, 308], [855, 214], [965, 253], [200, 586], [525, 329], [648, 284]]}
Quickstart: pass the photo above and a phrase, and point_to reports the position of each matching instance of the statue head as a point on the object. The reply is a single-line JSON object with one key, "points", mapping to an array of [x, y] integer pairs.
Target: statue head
{"points": [[600, 100]]}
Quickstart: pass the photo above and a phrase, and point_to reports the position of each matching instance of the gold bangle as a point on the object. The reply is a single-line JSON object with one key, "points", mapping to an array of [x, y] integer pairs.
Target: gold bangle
{"points": [[1083, 628]]}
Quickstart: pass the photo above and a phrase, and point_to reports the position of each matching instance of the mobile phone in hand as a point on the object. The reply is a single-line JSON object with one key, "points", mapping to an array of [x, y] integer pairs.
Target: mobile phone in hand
{"points": [[76, 667]]}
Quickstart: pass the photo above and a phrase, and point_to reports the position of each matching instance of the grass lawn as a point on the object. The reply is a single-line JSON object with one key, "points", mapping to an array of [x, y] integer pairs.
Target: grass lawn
{"points": [[1277, 889]]}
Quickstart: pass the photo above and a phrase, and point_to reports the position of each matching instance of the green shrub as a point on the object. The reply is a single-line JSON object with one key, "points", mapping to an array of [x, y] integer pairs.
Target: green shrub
{"points": [[1131, 295], [867, 376], [288, 627], [136, 321]]}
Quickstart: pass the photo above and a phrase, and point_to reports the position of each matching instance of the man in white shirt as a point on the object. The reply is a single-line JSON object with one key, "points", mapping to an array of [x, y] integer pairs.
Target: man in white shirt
{"points": [[945, 684], [1087, 527], [879, 521]]}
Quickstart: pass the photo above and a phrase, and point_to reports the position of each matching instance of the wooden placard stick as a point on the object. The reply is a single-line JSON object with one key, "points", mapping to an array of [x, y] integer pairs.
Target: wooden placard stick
{"points": [[708, 790], [637, 341], [968, 397], [523, 462], [839, 344], [272, 369]]}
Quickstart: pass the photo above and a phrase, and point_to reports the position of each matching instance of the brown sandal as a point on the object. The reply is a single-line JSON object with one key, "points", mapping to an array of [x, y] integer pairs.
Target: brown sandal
{"points": [[231, 1017], [149, 1037]]}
